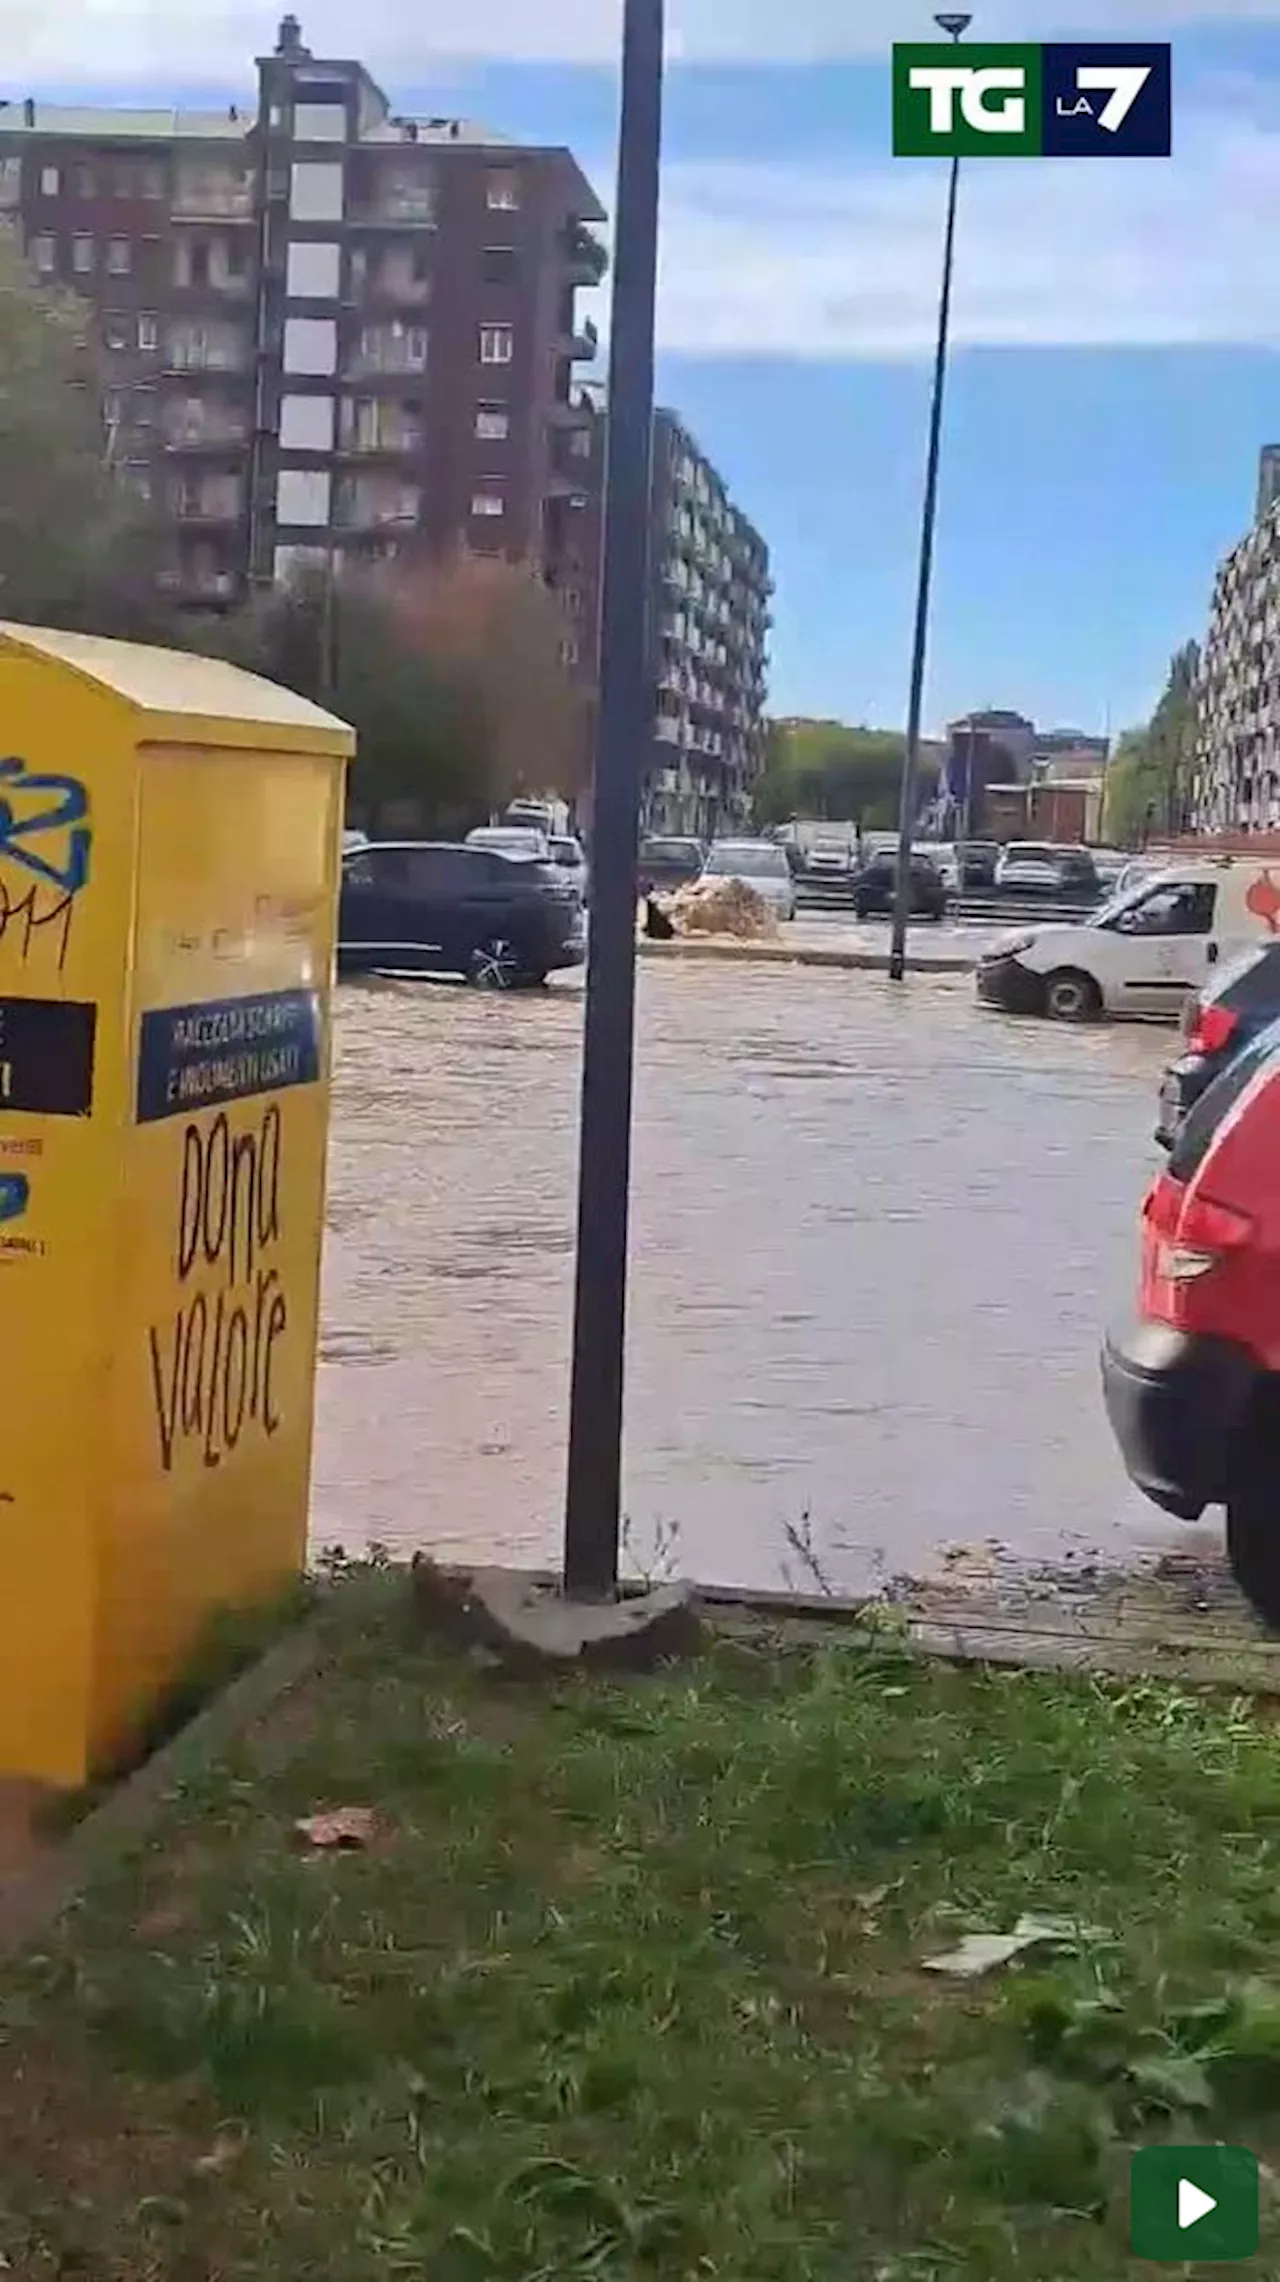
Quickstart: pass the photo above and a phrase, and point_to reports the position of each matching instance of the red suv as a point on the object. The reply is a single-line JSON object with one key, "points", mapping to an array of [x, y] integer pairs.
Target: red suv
{"points": [[1193, 1390]]}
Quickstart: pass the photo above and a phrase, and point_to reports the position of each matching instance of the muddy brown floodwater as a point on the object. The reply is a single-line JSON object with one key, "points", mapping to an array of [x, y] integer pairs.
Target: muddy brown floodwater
{"points": [[875, 1236]]}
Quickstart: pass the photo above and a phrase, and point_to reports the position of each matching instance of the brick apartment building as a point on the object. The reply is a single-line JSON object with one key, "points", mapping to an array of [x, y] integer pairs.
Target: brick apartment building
{"points": [[327, 329]]}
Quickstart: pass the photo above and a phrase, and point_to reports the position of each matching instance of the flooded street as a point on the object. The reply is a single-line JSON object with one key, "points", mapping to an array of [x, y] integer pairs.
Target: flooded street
{"points": [[875, 1234]]}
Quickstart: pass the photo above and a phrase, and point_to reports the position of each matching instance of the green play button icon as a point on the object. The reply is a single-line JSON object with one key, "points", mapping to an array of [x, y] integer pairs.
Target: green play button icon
{"points": [[1193, 2203]]}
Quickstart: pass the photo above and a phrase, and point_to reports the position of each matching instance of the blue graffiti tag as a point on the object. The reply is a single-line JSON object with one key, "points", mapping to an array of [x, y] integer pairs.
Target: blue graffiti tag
{"points": [[64, 813], [15, 1195]]}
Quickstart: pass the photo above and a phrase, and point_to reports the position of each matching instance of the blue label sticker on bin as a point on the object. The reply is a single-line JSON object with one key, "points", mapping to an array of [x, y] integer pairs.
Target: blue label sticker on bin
{"points": [[226, 1049]]}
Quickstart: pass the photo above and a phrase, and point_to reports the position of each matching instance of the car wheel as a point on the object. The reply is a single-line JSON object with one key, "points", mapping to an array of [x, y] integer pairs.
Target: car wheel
{"points": [[495, 965], [1070, 996], [1253, 1512]]}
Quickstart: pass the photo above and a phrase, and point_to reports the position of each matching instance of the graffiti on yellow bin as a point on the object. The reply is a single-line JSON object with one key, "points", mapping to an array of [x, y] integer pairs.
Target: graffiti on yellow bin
{"points": [[46, 839], [213, 1356]]}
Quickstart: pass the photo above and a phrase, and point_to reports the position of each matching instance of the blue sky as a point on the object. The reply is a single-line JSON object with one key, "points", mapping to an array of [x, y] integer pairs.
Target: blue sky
{"points": [[1116, 323]]}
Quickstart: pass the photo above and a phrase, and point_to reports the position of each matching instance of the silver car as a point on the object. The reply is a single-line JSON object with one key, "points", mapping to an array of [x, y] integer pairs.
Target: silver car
{"points": [[757, 864]]}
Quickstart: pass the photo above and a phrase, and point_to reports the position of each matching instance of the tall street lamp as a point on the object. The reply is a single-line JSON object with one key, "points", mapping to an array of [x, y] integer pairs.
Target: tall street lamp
{"points": [[955, 27], [624, 719]]}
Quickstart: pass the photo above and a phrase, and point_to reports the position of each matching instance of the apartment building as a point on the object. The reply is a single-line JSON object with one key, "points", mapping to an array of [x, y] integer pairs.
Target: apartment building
{"points": [[710, 619], [329, 330], [1236, 784]]}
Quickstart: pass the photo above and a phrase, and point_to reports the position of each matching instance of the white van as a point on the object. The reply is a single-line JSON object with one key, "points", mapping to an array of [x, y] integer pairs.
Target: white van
{"points": [[1143, 951]]}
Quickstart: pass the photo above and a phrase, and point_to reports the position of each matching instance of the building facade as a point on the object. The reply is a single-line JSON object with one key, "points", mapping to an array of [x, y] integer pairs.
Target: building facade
{"points": [[1236, 783], [329, 332]]}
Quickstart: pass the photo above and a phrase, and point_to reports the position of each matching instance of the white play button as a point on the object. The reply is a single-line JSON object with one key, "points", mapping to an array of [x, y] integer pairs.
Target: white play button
{"points": [[1193, 2203]]}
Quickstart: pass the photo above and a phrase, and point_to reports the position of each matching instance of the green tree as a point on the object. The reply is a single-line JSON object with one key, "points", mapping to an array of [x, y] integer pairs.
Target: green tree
{"points": [[450, 673], [1149, 776], [78, 547], [834, 773]]}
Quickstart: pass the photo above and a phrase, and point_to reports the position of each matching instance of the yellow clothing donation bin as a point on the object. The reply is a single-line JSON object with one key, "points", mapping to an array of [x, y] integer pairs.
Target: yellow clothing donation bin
{"points": [[170, 834]]}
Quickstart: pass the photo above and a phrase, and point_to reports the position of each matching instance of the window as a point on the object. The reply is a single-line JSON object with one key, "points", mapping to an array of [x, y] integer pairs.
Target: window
{"points": [[144, 408], [306, 425], [44, 254], [1184, 909], [569, 652], [138, 477], [497, 344], [82, 256], [488, 503], [1202, 1121], [320, 122], [384, 871], [148, 333], [302, 497], [113, 407], [502, 194], [580, 443], [315, 192], [313, 271], [84, 182], [493, 423], [50, 182], [310, 344], [119, 256], [500, 265], [116, 332], [151, 182]]}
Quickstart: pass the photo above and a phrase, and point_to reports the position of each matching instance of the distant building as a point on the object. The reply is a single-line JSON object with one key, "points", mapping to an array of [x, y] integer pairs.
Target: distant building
{"points": [[1236, 784], [709, 629], [329, 331], [1006, 779]]}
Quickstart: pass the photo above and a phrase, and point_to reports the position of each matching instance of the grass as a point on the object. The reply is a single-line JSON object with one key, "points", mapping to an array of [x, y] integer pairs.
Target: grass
{"points": [[630, 1987]]}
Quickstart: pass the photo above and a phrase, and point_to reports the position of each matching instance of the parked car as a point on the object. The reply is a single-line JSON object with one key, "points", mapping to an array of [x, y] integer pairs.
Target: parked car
{"points": [[1216, 1023], [1039, 867], [971, 869], [431, 907], [1192, 1386], [830, 855], [567, 855], [875, 885], [757, 864], [510, 840], [666, 863], [1139, 954]]}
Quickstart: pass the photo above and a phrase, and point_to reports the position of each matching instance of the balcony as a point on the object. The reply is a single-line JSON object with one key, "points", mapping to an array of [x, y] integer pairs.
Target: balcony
{"points": [[586, 258], [410, 206], [388, 352], [206, 352], [391, 280], [216, 501], [213, 198], [581, 345], [193, 432], [370, 438], [367, 505]]}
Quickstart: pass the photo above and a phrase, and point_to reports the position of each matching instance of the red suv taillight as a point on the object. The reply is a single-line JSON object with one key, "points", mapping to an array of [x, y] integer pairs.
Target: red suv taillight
{"points": [[1211, 1029], [1192, 1235]]}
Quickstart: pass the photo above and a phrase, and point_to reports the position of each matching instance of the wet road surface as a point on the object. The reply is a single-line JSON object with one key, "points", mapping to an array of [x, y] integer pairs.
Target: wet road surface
{"points": [[875, 1234]]}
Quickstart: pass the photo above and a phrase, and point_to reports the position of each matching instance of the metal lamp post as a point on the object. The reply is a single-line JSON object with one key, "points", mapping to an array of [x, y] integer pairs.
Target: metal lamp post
{"points": [[955, 27], [593, 1503]]}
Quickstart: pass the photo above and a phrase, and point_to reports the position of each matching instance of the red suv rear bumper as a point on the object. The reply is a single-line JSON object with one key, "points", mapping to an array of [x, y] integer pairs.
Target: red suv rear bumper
{"points": [[1176, 1401]]}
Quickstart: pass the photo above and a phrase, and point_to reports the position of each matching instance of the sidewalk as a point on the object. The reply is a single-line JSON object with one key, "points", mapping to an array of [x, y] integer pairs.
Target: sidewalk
{"points": [[839, 953], [651, 1979]]}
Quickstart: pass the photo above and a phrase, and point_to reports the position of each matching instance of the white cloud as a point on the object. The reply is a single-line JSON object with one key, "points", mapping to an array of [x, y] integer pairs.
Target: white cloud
{"points": [[126, 41], [809, 261]]}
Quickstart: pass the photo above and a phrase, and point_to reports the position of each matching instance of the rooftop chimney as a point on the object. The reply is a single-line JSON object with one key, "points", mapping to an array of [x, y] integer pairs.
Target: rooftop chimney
{"points": [[29, 111]]}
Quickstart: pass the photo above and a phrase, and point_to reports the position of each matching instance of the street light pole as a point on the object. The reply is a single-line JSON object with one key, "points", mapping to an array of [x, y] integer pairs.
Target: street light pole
{"points": [[955, 27], [594, 1501]]}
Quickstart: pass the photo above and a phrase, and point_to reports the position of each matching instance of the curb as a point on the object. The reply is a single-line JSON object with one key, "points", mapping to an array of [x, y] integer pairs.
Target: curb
{"points": [[31, 1903], [805, 955]]}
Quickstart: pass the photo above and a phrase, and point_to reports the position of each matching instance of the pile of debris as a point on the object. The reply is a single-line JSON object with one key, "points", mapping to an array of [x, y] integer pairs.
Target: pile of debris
{"points": [[722, 907]]}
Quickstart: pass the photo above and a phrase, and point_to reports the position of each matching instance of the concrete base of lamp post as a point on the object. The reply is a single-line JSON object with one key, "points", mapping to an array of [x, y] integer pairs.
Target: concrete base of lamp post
{"points": [[531, 1626]]}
